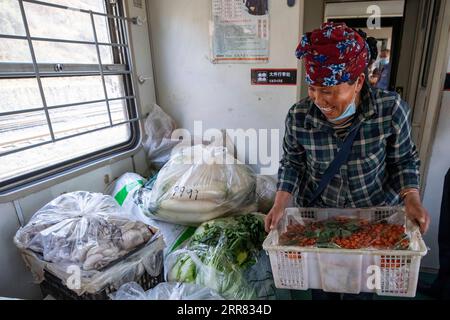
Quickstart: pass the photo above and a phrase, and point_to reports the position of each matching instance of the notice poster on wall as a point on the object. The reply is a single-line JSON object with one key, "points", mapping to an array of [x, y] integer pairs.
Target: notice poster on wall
{"points": [[240, 31]]}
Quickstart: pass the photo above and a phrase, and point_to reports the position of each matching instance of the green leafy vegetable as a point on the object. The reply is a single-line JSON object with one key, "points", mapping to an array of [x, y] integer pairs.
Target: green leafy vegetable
{"points": [[219, 253]]}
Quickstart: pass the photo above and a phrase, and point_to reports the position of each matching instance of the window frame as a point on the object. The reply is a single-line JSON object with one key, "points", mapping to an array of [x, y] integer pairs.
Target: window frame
{"points": [[115, 11]]}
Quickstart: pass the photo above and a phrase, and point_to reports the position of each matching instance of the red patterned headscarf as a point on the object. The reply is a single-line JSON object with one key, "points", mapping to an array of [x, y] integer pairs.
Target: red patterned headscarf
{"points": [[333, 54]]}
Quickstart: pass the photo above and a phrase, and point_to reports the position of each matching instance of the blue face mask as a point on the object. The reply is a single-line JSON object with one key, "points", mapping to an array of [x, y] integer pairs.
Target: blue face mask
{"points": [[384, 62], [349, 111]]}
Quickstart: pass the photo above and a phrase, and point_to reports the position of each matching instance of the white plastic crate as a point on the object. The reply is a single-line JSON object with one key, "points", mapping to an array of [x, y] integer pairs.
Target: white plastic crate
{"points": [[344, 270]]}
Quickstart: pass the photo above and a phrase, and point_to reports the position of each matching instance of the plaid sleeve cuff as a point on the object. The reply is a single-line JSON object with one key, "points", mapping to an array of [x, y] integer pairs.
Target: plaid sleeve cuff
{"points": [[287, 180], [406, 179], [403, 158]]}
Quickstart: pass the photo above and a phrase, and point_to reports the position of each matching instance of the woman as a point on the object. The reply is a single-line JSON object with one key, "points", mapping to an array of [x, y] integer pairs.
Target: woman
{"points": [[347, 144]]}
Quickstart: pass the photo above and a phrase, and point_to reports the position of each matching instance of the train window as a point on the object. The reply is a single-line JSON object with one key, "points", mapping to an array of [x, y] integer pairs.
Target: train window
{"points": [[66, 95]]}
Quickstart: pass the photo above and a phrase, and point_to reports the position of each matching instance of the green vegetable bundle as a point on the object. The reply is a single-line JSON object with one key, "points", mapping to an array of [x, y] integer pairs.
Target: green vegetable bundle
{"points": [[219, 254]]}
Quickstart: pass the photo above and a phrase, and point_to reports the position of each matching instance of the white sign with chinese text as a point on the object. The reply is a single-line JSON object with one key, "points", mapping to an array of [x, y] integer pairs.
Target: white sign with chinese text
{"points": [[240, 31]]}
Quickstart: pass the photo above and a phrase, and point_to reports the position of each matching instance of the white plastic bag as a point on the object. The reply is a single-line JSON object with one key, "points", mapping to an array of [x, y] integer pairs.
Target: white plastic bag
{"points": [[266, 190], [86, 229], [126, 191], [165, 291], [175, 236], [158, 145], [124, 188], [198, 184]]}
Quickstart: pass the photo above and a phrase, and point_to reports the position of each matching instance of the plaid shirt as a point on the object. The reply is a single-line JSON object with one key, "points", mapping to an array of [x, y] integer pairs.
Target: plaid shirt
{"points": [[383, 160]]}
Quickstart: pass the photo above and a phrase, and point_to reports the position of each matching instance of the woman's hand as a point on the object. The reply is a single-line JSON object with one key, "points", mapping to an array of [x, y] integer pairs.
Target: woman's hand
{"points": [[282, 200], [416, 212], [273, 218]]}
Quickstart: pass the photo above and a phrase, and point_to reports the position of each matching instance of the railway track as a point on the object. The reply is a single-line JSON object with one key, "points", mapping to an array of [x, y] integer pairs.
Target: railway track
{"points": [[19, 124]]}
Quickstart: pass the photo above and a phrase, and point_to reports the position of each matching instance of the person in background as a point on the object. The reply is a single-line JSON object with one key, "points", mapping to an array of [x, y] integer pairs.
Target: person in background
{"points": [[374, 77], [384, 70]]}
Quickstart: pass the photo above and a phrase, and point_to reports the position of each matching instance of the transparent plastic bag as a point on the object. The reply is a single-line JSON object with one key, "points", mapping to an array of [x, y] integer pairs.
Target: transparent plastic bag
{"points": [[199, 184], [170, 147], [266, 190], [158, 145], [123, 189], [126, 191], [148, 259], [129, 291], [166, 291], [334, 228], [222, 255], [86, 229], [175, 236]]}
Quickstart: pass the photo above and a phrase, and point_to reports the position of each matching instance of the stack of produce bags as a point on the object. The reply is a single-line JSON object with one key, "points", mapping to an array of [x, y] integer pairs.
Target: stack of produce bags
{"points": [[203, 202], [88, 232], [223, 255], [196, 183]]}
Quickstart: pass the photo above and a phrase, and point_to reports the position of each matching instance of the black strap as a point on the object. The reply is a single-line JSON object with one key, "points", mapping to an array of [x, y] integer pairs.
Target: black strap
{"points": [[336, 164]]}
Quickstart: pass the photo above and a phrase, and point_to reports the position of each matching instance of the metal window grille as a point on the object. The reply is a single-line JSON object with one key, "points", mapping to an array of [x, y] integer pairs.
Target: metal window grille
{"points": [[119, 50]]}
